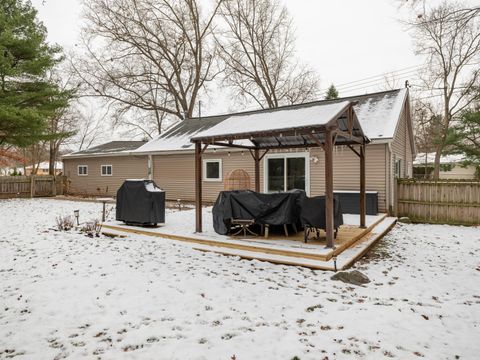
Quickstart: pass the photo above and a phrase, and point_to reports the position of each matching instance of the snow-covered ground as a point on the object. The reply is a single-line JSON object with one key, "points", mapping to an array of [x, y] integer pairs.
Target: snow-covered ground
{"points": [[64, 295]]}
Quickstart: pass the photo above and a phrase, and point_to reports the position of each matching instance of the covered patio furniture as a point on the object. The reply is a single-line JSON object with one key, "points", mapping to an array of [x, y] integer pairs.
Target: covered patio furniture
{"points": [[263, 209], [140, 202], [313, 215]]}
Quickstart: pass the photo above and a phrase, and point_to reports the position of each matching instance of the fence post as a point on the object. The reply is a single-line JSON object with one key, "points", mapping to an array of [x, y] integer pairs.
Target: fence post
{"points": [[395, 198], [54, 186], [32, 186]]}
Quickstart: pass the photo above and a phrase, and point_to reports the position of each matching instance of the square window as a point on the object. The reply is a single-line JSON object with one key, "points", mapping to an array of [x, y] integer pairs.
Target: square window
{"points": [[212, 170], [106, 170], [82, 170]]}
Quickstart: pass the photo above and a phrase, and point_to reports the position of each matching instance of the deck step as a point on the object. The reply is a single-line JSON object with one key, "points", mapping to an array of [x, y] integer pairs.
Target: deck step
{"points": [[345, 255], [343, 261]]}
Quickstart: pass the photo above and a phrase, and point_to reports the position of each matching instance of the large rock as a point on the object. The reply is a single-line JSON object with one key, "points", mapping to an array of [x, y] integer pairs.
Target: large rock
{"points": [[354, 277]]}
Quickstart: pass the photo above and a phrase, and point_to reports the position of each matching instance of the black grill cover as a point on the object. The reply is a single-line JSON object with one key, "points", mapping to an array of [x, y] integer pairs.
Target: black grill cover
{"points": [[313, 212], [140, 202], [272, 209]]}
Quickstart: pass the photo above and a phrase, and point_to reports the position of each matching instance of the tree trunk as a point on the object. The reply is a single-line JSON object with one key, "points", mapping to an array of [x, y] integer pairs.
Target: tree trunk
{"points": [[52, 158], [436, 168]]}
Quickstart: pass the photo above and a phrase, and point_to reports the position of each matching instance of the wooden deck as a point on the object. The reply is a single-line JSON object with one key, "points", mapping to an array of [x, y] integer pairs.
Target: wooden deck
{"points": [[278, 249]]}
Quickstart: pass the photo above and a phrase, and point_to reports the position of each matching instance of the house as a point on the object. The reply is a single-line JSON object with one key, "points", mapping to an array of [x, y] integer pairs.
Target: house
{"points": [[169, 159], [101, 170], [41, 168], [451, 166]]}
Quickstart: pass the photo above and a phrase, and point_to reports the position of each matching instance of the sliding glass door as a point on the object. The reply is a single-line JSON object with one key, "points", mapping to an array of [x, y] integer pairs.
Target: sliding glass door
{"points": [[286, 172]]}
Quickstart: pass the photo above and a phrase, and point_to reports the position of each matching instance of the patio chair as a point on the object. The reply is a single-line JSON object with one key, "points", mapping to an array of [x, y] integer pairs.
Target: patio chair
{"points": [[313, 216], [242, 225]]}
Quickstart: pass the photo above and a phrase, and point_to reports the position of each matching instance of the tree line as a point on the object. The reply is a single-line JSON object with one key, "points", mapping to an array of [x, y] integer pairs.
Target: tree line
{"points": [[152, 61]]}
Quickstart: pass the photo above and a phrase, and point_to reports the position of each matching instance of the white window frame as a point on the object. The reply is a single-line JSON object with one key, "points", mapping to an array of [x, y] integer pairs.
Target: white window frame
{"points": [[220, 170], [106, 165], [305, 155], [82, 166], [397, 160]]}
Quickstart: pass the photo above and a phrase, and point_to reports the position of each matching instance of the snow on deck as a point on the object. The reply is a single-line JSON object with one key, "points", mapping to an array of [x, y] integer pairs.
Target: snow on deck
{"points": [[68, 296], [182, 223]]}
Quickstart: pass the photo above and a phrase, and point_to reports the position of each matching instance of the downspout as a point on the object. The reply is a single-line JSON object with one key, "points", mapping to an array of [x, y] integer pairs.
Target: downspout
{"points": [[388, 173], [150, 167]]}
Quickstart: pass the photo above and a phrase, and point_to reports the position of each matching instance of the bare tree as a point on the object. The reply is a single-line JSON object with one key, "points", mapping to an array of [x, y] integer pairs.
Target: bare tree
{"points": [[257, 48], [453, 52], [153, 56], [457, 13]]}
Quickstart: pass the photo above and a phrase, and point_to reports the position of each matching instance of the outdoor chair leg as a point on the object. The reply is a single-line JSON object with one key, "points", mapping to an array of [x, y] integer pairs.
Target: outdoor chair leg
{"points": [[295, 228], [267, 228], [286, 229], [305, 235]]}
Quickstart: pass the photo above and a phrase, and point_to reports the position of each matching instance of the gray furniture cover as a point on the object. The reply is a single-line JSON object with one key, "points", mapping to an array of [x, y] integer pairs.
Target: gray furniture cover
{"points": [[140, 202], [272, 209], [313, 213]]}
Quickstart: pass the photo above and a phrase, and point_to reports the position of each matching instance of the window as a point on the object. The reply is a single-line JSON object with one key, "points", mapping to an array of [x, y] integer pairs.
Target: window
{"points": [[82, 170], [398, 168], [286, 172], [106, 170], [212, 170]]}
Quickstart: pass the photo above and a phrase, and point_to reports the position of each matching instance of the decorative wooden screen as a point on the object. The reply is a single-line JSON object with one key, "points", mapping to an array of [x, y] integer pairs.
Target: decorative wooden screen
{"points": [[237, 179]]}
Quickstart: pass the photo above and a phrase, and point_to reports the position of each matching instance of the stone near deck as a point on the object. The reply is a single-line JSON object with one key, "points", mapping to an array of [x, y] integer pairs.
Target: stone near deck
{"points": [[354, 277]]}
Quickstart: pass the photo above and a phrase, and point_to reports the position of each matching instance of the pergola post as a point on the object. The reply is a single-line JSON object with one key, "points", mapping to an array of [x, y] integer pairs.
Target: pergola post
{"points": [[363, 203], [198, 187], [329, 186], [257, 169]]}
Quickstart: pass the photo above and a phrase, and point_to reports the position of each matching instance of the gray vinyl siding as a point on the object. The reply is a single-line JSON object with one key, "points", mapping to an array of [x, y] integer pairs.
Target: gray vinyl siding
{"points": [[123, 167]]}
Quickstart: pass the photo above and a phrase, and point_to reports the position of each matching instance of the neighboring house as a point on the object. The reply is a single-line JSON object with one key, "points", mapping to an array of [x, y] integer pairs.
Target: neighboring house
{"points": [[42, 169], [101, 170], [169, 159], [451, 166]]}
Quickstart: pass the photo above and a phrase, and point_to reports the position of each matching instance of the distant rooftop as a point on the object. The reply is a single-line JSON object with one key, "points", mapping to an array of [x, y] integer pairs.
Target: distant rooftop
{"points": [[109, 148], [377, 113], [444, 159]]}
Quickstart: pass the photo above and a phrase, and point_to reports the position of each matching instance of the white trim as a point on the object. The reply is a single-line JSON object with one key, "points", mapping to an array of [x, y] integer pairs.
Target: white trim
{"points": [[305, 154], [78, 170], [220, 170], [101, 170]]}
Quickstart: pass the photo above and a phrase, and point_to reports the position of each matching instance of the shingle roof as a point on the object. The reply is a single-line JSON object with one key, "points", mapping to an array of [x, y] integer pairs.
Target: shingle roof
{"points": [[378, 114], [109, 148]]}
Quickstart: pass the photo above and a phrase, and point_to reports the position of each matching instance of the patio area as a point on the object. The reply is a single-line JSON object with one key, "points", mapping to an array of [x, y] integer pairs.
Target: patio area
{"points": [[351, 242]]}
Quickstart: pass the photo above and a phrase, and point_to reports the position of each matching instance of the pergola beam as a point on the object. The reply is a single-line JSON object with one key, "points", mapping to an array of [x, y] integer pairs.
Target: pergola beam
{"points": [[363, 205], [329, 187], [198, 187]]}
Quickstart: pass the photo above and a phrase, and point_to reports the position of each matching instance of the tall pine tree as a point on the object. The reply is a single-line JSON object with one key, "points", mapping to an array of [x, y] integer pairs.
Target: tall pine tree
{"points": [[332, 93], [27, 97]]}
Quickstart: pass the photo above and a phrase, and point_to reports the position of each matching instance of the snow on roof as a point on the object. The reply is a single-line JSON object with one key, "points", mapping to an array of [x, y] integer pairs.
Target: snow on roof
{"points": [[277, 120], [377, 113], [44, 165], [112, 147], [444, 159]]}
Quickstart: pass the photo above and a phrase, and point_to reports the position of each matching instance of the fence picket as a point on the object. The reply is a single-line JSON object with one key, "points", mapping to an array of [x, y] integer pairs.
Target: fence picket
{"points": [[440, 201]]}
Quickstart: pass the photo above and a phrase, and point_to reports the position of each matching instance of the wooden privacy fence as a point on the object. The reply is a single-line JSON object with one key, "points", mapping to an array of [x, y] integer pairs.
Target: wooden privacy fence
{"points": [[31, 186], [439, 201]]}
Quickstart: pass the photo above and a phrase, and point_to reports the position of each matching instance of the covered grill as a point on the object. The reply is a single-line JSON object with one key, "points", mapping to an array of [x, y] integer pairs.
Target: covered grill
{"points": [[140, 202]]}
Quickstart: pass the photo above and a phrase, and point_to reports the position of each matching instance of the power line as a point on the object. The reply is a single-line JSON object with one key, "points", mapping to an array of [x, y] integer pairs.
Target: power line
{"points": [[370, 83], [411, 68]]}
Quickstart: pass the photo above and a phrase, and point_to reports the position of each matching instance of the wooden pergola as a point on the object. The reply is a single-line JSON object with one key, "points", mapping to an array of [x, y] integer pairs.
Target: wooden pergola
{"points": [[324, 125]]}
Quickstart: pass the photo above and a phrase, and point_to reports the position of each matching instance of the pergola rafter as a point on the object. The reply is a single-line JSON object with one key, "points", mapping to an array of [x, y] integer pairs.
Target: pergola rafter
{"points": [[324, 126]]}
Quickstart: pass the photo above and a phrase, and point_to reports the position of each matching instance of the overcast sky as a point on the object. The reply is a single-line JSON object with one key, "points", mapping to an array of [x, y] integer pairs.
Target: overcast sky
{"points": [[344, 40]]}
